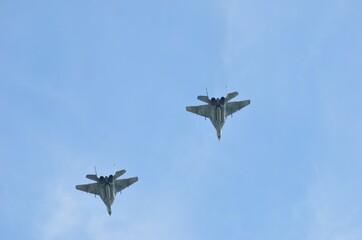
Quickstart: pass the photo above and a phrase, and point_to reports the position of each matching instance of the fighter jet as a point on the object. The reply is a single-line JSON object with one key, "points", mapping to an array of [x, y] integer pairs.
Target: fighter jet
{"points": [[107, 187], [218, 109]]}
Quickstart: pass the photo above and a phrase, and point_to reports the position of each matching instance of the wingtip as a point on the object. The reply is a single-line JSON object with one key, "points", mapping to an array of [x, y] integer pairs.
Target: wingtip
{"points": [[133, 180]]}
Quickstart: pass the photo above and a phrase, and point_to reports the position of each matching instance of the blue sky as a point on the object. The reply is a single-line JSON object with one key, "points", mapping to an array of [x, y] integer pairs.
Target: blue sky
{"points": [[105, 84]]}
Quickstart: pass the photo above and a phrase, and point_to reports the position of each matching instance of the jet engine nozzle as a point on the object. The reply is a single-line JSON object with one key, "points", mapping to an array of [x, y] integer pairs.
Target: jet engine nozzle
{"points": [[222, 100], [102, 179], [110, 178]]}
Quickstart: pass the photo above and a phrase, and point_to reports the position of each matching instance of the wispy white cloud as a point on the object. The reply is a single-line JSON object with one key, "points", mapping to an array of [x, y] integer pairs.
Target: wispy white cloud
{"points": [[59, 216], [160, 213], [332, 215], [334, 199], [157, 221], [67, 216], [243, 26]]}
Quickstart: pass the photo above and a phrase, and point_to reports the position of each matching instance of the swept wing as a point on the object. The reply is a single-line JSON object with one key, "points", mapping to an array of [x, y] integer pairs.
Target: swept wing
{"points": [[89, 188], [123, 183], [203, 110], [232, 107]]}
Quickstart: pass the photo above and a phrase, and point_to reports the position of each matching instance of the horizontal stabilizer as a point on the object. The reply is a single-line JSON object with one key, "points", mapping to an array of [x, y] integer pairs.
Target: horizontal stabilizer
{"points": [[89, 188], [119, 173], [204, 99], [231, 96], [92, 177]]}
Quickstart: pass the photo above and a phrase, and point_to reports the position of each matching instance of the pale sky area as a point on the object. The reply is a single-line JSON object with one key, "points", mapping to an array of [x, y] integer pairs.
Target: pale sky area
{"points": [[105, 83]]}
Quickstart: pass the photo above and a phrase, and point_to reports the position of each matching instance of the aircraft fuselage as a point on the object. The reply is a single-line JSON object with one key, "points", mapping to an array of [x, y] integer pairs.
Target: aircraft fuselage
{"points": [[108, 194], [106, 187], [218, 115], [217, 109]]}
